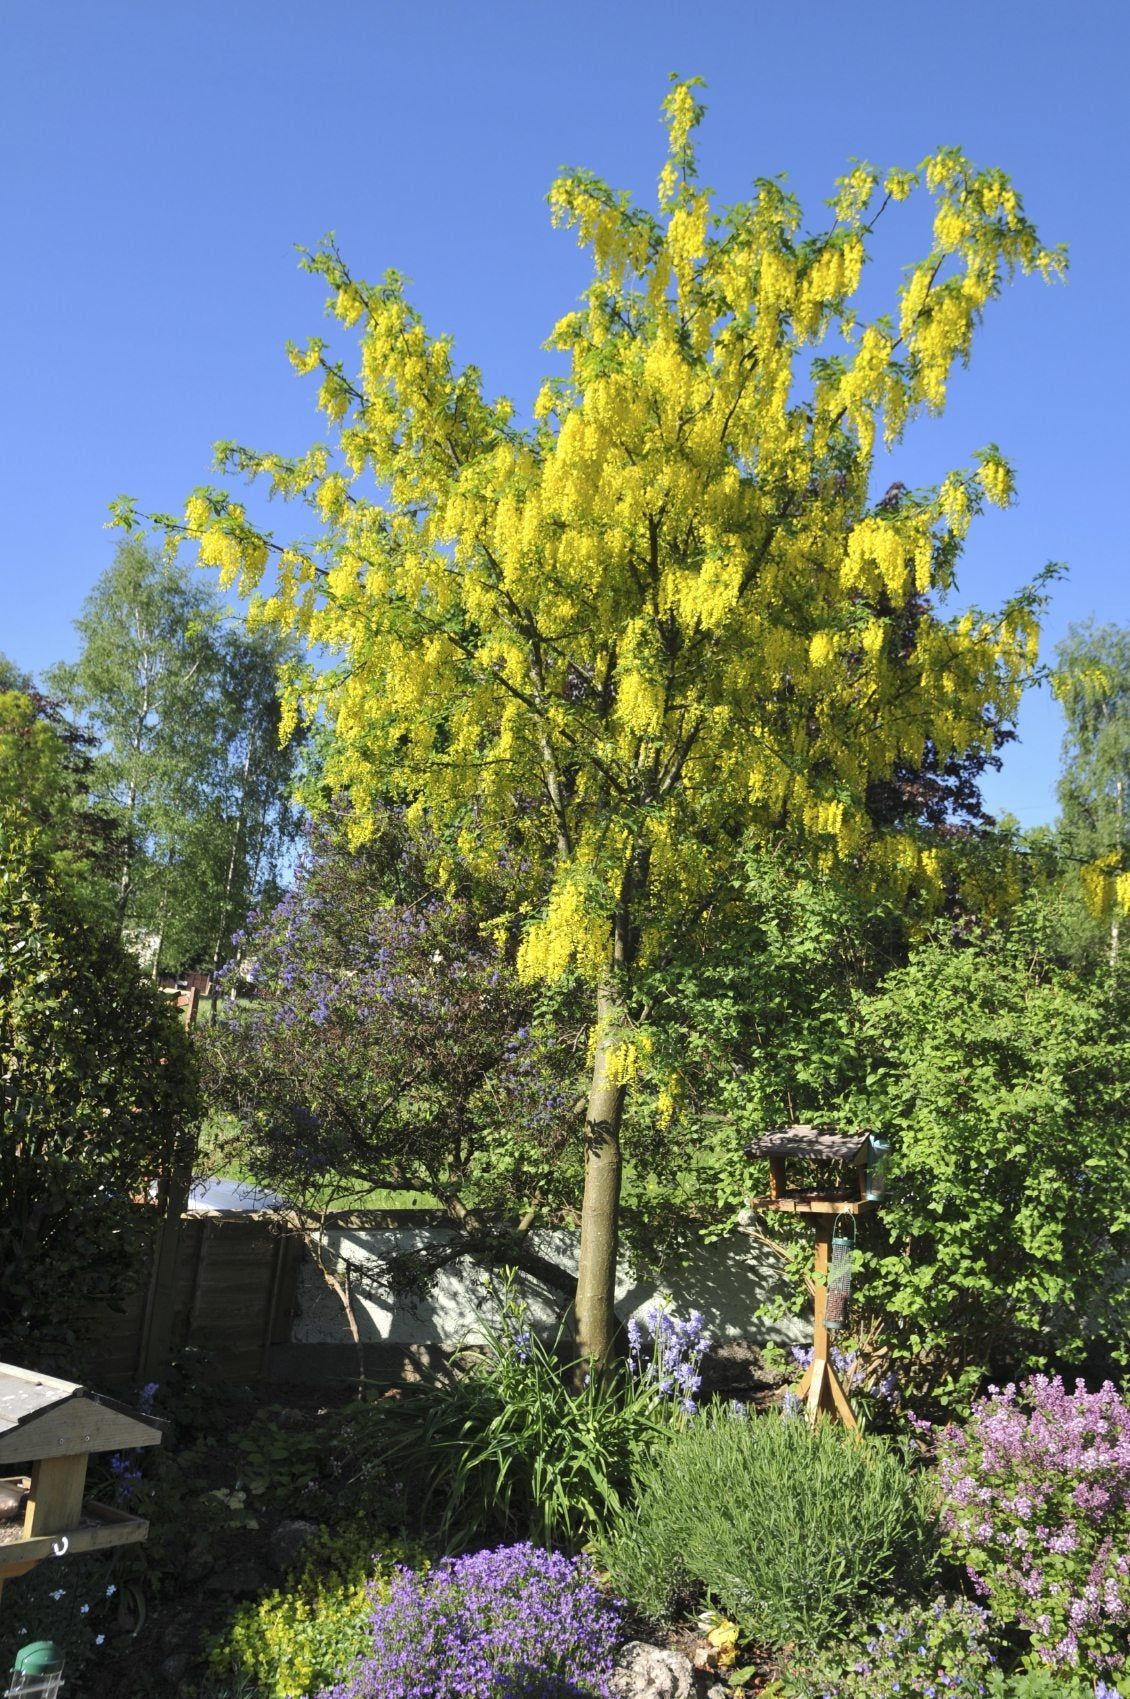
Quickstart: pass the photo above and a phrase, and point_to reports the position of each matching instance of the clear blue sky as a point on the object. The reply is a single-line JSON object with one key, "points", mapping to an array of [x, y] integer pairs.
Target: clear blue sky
{"points": [[159, 161]]}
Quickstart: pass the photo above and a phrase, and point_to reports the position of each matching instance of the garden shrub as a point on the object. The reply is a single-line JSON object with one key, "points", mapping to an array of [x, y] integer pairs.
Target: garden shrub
{"points": [[518, 1449], [1037, 1505], [515, 1623], [1000, 1078], [310, 1632], [294, 1641], [97, 1100], [944, 1649], [793, 1530]]}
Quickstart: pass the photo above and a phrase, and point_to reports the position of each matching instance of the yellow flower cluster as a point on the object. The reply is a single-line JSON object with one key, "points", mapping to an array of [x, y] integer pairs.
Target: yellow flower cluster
{"points": [[658, 618]]}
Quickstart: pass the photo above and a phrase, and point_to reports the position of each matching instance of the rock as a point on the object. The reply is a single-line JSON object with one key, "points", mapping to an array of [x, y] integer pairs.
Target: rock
{"points": [[652, 1672], [289, 1541], [238, 1581], [174, 1667]]}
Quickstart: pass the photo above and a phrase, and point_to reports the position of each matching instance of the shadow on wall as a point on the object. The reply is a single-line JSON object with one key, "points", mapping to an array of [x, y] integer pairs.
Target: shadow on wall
{"points": [[728, 1282]]}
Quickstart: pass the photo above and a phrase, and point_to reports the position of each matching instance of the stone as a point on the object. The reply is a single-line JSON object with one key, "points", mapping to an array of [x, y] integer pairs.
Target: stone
{"points": [[175, 1666], [652, 1672], [289, 1542], [238, 1580]]}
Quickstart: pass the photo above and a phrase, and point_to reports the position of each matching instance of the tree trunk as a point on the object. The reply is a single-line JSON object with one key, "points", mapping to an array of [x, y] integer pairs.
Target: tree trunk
{"points": [[1119, 837], [600, 1208], [229, 882]]}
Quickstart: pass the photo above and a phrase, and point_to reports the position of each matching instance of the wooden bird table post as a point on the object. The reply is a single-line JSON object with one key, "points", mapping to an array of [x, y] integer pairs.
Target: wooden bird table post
{"points": [[823, 1205]]}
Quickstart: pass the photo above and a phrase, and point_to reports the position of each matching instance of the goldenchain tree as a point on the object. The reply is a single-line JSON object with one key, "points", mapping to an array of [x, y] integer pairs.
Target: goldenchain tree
{"points": [[666, 616]]}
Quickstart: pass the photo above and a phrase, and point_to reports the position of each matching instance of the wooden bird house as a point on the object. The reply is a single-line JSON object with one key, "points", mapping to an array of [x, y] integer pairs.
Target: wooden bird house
{"points": [[826, 1178], [835, 1170], [51, 1427]]}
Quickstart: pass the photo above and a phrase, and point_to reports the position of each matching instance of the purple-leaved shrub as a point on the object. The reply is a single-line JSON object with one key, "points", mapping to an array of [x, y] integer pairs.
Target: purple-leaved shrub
{"points": [[1037, 1505], [514, 1623]]}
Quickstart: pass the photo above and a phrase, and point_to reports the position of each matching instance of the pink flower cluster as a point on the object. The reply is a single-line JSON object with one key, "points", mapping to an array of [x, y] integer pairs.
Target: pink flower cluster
{"points": [[1036, 1492]]}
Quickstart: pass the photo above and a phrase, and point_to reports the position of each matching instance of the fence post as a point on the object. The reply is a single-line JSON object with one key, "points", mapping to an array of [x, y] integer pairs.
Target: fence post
{"points": [[155, 1344]]}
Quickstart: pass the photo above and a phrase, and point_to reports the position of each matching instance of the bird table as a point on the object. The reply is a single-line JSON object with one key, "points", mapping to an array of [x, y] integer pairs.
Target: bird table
{"points": [[820, 1203], [54, 1426]]}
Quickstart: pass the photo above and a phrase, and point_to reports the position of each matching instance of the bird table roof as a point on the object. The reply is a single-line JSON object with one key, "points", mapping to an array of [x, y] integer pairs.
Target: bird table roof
{"points": [[803, 1140], [41, 1416]]}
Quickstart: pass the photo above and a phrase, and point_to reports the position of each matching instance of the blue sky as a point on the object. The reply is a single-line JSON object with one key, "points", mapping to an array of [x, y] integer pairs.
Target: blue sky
{"points": [[158, 162]]}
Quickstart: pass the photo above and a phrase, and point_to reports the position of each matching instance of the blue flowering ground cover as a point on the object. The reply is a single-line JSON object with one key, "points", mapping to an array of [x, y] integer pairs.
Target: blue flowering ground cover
{"points": [[514, 1623]]}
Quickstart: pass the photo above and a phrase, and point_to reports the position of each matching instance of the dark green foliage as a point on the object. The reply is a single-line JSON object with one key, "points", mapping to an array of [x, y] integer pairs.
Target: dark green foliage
{"points": [[793, 1531], [65, 1602], [46, 768], [98, 1102]]}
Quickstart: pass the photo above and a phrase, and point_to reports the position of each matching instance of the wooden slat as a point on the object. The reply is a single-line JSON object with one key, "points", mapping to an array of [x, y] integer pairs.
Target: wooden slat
{"points": [[807, 1203], [77, 1422], [803, 1140], [110, 1528]]}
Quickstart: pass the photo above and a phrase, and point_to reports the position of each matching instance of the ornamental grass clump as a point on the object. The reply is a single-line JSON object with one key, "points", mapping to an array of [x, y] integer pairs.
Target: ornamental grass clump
{"points": [[523, 1445], [1037, 1506], [515, 1623], [792, 1530]]}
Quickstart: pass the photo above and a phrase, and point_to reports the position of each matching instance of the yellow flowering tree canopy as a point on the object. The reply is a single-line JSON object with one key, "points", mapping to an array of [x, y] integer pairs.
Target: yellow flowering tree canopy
{"points": [[667, 613]]}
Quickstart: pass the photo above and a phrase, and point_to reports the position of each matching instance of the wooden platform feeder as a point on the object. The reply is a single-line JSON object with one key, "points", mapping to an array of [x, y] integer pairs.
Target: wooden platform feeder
{"points": [[848, 1184], [53, 1426]]}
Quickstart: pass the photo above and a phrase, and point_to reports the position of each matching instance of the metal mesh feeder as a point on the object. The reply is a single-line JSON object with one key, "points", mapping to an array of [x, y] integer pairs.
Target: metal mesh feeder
{"points": [[838, 1302]]}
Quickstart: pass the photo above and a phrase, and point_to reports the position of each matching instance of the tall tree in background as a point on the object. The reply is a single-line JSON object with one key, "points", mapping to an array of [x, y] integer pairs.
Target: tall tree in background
{"points": [[13, 677], [46, 768], [185, 708], [668, 617], [1092, 682]]}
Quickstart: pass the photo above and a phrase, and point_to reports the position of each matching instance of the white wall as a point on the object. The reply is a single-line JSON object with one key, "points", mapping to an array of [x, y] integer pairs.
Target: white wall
{"points": [[726, 1281]]}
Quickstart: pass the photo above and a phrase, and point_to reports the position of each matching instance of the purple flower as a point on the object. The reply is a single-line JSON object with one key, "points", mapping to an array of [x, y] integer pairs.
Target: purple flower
{"points": [[515, 1623], [1037, 1504]]}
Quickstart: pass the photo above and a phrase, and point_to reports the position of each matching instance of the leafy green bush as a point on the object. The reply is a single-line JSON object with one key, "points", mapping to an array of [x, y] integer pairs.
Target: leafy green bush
{"points": [[292, 1643], [1000, 1078], [516, 1448], [793, 1530], [302, 1637], [98, 1099]]}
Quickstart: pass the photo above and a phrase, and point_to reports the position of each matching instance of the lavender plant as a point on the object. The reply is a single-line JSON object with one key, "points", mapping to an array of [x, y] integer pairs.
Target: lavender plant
{"points": [[792, 1530], [514, 1623], [1037, 1505]]}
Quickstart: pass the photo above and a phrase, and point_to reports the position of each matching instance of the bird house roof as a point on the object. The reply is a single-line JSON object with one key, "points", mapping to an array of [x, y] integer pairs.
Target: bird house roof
{"points": [[41, 1416], [803, 1140]]}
